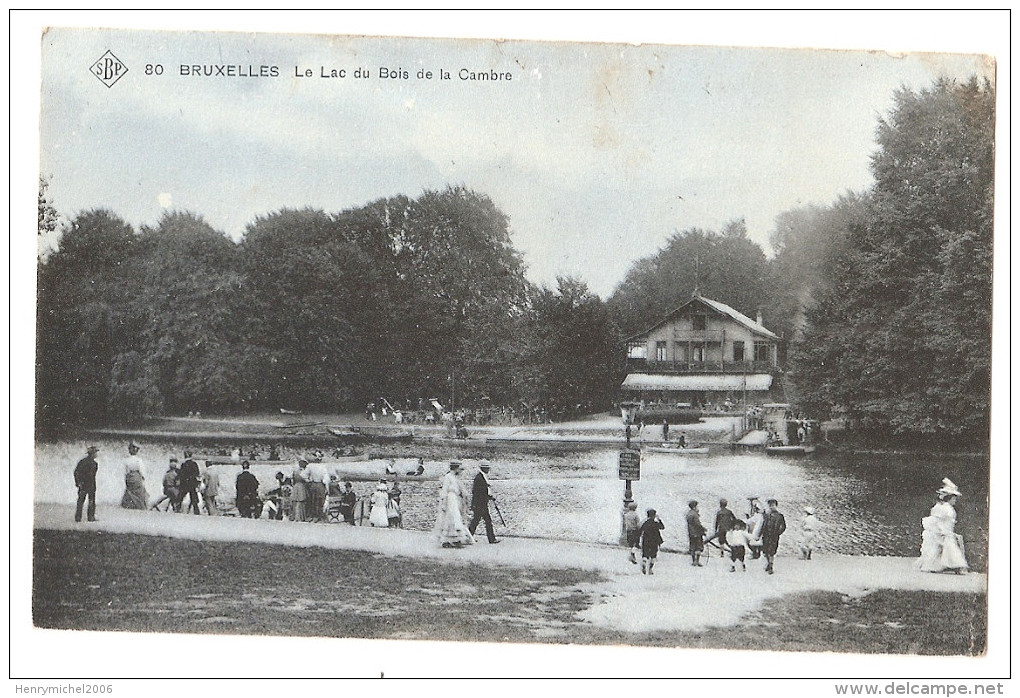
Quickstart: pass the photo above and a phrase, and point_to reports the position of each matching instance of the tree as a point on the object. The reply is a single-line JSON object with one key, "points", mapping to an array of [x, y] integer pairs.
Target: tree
{"points": [[182, 328], [49, 219], [315, 306], [901, 338], [80, 292], [578, 348], [725, 266]]}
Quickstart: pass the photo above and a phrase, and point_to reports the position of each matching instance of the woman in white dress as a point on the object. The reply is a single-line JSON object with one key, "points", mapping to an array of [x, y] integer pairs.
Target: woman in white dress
{"points": [[380, 498], [450, 526], [135, 495], [941, 546]]}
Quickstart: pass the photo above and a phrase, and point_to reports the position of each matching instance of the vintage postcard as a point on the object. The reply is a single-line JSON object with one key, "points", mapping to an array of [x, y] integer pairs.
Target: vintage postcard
{"points": [[502, 357]]}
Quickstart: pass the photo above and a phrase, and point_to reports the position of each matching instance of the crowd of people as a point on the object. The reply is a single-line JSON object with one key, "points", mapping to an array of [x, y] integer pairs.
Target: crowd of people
{"points": [[311, 493], [755, 535]]}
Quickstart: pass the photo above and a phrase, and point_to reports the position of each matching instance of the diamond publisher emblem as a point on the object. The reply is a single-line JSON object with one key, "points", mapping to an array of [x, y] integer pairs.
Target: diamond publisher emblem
{"points": [[109, 69]]}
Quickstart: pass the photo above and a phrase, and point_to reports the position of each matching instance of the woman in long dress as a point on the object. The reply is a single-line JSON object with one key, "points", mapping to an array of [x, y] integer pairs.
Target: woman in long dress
{"points": [[135, 495], [941, 546], [380, 498], [299, 494], [450, 526]]}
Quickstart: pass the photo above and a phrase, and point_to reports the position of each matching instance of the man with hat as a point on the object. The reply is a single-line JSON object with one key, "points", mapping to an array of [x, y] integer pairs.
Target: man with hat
{"points": [[247, 493], [481, 493], [85, 481], [191, 476]]}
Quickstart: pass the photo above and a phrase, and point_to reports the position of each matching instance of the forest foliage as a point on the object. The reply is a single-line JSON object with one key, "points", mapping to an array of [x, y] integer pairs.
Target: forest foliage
{"points": [[883, 298]]}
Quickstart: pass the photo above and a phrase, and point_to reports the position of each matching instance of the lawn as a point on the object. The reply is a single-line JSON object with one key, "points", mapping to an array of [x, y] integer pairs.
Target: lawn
{"points": [[122, 582]]}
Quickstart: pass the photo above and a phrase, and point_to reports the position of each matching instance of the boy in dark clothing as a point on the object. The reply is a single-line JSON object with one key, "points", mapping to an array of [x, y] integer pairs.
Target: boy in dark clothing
{"points": [[695, 533], [774, 526], [651, 539], [724, 519], [348, 500]]}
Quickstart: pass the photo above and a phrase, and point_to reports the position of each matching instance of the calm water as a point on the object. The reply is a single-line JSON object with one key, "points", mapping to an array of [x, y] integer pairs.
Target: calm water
{"points": [[868, 504]]}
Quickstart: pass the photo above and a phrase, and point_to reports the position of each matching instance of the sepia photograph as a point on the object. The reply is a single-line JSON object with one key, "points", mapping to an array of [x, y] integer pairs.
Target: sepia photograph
{"points": [[440, 354]]}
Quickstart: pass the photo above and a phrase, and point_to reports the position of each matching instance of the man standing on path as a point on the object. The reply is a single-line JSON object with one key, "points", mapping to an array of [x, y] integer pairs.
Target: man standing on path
{"points": [[775, 524], [695, 533], [85, 481], [190, 477], [318, 486], [247, 487], [481, 493], [724, 520]]}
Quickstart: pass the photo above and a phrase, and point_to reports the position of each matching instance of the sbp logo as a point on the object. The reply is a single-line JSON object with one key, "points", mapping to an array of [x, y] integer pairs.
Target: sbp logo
{"points": [[108, 69]]}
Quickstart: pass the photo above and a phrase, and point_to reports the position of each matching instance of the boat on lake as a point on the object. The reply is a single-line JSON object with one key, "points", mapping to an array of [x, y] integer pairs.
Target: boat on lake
{"points": [[677, 450], [789, 450]]}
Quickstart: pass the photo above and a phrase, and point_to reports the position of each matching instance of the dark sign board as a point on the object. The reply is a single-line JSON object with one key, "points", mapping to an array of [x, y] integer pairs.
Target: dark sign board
{"points": [[630, 465]]}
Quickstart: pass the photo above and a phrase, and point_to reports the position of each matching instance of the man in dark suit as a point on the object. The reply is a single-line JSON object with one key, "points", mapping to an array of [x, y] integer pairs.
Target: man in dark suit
{"points": [[190, 477], [480, 496], [85, 481], [247, 493]]}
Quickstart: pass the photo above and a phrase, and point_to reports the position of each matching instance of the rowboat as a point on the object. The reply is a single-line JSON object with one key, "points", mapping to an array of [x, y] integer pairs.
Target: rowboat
{"points": [[677, 451], [789, 450]]}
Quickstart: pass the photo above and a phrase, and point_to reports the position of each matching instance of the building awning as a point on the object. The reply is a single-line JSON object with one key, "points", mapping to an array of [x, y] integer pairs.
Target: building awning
{"points": [[722, 382]]}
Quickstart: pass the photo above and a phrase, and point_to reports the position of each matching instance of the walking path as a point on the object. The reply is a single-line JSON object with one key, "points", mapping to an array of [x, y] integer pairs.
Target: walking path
{"points": [[677, 597]]}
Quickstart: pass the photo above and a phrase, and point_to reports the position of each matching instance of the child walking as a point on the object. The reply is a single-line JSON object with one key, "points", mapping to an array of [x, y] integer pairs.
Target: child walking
{"points": [[632, 529], [738, 541], [809, 531], [651, 539]]}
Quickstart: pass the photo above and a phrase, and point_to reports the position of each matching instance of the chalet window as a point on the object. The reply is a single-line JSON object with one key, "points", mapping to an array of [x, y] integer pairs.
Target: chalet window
{"points": [[761, 351], [637, 350], [738, 351], [700, 321], [660, 351], [698, 353]]}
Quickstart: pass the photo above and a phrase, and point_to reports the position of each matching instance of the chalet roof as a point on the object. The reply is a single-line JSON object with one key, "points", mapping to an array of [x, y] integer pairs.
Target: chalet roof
{"points": [[719, 307], [697, 382]]}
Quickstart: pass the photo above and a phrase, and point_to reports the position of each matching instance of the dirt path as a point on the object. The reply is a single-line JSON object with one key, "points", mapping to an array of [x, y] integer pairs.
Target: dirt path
{"points": [[678, 597]]}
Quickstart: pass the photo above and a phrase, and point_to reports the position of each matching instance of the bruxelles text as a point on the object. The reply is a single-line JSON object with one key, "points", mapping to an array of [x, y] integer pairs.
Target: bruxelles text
{"points": [[322, 71]]}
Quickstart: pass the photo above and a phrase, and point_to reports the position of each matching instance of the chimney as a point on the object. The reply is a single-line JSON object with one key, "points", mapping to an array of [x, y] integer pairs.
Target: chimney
{"points": [[758, 319]]}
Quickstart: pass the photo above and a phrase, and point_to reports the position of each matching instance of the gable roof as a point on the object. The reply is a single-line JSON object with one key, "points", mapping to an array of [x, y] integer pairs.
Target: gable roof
{"points": [[719, 307]]}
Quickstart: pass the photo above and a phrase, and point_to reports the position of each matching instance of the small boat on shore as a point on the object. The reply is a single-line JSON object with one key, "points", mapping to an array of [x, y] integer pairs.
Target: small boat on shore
{"points": [[789, 450], [678, 451]]}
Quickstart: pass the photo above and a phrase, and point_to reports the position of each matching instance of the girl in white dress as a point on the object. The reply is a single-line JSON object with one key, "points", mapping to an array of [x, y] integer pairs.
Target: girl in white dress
{"points": [[450, 526], [380, 498], [941, 546]]}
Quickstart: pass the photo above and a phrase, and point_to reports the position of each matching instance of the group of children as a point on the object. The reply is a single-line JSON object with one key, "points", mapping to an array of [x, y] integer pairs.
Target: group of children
{"points": [[736, 539]]}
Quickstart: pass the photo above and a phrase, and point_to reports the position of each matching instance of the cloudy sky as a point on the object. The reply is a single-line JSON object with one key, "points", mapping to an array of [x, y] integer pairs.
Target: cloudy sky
{"points": [[597, 152]]}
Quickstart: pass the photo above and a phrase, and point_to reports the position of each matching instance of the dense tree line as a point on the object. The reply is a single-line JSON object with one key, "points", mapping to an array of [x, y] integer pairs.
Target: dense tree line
{"points": [[402, 298], [883, 298], [898, 336]]}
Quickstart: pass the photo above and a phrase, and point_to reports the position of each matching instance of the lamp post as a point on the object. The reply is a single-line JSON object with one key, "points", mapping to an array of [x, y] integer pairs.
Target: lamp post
{"points": [[630, 462]]}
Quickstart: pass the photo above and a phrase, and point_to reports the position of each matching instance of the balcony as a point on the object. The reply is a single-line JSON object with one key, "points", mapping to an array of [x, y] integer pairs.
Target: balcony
{"points": [[680, 367], [707, 336]]}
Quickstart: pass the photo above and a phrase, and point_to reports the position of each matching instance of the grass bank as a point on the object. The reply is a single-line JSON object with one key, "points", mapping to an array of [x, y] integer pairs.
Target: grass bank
{"points": [[103, 581]]}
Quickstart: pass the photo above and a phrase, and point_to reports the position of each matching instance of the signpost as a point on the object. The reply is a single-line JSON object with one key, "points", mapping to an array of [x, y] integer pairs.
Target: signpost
{"points": [[630, 466], [630, 462]]}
